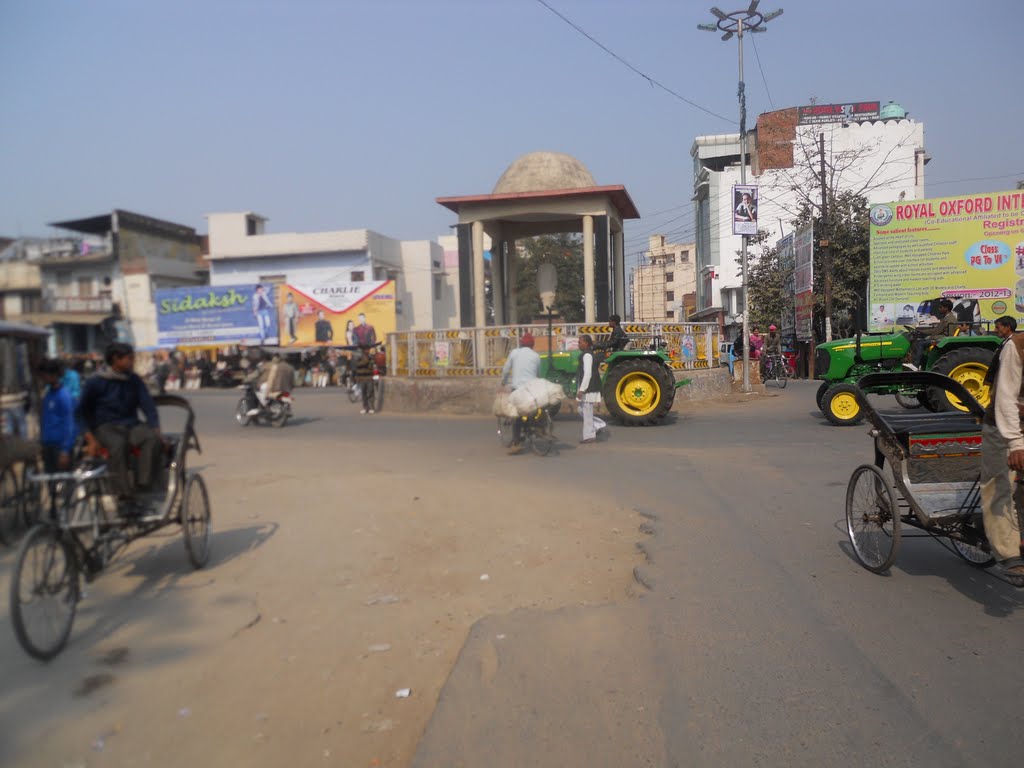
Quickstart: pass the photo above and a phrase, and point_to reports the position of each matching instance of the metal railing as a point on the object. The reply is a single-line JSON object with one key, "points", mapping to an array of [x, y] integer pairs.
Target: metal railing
{"points": [[483, 351]]}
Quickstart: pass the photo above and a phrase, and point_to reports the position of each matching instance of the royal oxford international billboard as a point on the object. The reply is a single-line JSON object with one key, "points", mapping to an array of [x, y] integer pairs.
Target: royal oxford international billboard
{"points": [[216, 315], [969, 249]]}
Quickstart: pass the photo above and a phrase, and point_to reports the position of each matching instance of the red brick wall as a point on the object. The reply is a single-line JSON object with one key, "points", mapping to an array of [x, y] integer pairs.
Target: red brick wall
{"points": [[776, 132]]}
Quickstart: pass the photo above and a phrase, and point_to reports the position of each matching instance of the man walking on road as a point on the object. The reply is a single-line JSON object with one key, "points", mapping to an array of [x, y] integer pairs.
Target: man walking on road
{"points": [[1003, 453], [588, 390]]}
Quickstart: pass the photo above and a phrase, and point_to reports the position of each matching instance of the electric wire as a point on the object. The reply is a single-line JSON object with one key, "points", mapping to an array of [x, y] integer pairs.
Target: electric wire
{"points": [[621, 60], [753, 39]]}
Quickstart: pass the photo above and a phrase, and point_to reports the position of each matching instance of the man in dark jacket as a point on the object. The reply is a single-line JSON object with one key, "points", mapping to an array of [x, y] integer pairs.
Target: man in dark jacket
{"points": [[617, 340], [109, 410]]}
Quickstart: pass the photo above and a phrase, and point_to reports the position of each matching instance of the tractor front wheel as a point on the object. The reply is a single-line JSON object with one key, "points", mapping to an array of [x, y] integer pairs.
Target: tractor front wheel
{"points": [[841, 407], [967, 365], [819, 397], [635, 393]]}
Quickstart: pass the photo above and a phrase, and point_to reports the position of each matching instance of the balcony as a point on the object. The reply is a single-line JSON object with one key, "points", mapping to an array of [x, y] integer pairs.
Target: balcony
{"points": [[99, 304]]}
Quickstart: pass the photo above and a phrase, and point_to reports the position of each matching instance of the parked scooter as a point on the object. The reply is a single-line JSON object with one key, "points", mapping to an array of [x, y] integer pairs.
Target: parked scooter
{"points": [[276, 411]]}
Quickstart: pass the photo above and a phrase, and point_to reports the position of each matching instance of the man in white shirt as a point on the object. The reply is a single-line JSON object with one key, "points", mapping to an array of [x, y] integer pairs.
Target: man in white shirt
{"points": [[1003, 453], [588, 390], [522, 364]]}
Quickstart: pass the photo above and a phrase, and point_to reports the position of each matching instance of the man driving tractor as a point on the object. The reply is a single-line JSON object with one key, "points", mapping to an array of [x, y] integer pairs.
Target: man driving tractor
{"points": [[945, 327]]}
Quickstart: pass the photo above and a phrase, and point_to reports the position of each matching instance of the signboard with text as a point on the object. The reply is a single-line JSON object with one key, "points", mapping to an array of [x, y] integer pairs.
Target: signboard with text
{"points": [[214, 315], [969, 249], [854, 112], [787, 265], [336, 313], [803, 281], [744, 209]]}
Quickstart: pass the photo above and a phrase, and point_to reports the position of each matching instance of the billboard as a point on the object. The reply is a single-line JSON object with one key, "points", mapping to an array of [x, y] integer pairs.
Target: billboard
{"points": [[803, 281], [205, 315], [333, 313], [854, 112], [787, 265], [969, 249], [744, 209]]}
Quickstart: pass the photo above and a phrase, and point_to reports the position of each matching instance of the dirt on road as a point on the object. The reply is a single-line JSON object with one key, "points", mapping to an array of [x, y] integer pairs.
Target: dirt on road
{"points": [[341, 575]]}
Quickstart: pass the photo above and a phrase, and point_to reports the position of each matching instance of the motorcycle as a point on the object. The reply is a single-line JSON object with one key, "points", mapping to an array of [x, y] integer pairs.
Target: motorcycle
{"points": [[276, 411]]}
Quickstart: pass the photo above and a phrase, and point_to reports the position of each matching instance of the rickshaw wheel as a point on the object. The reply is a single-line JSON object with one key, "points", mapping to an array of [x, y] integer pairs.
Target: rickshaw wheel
{"points": [[10, 506], [872, 518], [44, 593], [976, 556], [195, 521]]}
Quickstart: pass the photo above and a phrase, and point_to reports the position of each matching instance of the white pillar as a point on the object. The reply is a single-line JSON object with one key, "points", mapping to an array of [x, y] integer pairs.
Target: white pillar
{"points": [[619, 259], [479, 286], [498, 280], [512, 258], [588, 269]]}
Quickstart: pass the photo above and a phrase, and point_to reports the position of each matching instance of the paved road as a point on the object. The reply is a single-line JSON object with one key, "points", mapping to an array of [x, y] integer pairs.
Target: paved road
{"points": [[763, 641]]}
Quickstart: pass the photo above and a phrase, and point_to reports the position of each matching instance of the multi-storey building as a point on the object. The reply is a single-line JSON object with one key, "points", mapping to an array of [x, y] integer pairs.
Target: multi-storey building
{"points": [[664, 285]]}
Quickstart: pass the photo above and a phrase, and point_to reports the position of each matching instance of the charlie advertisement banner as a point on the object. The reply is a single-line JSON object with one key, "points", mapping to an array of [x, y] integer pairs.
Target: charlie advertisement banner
{"points": [[744, 209], [336, 314], [969, 249], [212, 315]]}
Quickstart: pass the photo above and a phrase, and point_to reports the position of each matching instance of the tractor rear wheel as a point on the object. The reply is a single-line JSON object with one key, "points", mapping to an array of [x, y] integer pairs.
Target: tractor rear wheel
{"points": [[841, 407], [967, 365], [636, 394]]}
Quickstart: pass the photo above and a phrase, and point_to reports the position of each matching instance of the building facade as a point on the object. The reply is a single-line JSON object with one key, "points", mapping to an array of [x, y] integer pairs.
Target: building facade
{"points": [[97, 284], [241, 251], [664, 290], [882, 158]]}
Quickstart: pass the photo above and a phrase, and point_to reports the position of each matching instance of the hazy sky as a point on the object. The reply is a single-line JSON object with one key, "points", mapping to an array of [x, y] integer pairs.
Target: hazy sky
{"points": [[339, 114]]}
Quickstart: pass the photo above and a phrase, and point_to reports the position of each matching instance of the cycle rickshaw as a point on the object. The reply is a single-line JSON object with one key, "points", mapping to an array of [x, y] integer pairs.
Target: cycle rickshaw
{"points": [[932, 482], [83, 530]]}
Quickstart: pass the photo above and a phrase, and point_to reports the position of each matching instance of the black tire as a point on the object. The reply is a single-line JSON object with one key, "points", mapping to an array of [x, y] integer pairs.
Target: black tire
{"points": [[872, 518], [820, 394], [972, 554], [378, 395], [195, 521], [841, 407], [543, 439], [354, 391], [278, 414], [46, 573], [241, 413], [635, 393], [505, 432], [968, 365], [10, 506], [910, 402], [781, 374]]}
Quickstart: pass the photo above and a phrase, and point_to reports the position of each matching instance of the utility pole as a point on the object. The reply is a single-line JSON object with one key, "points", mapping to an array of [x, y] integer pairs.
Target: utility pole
{"points": [[823, 240], [735, 23]]}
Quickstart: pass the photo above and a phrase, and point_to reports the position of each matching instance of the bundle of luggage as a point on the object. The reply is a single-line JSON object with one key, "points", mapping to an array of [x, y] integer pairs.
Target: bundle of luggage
{"points": [[539, 393]]}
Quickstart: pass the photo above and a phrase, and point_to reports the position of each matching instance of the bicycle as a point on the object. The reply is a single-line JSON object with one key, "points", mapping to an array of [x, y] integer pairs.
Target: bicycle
{"points": [[536, 429], [776, 367]]}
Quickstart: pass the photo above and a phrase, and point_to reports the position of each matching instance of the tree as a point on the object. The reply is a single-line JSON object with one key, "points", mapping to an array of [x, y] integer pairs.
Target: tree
{"points": [[766, 280], [565, 251]]}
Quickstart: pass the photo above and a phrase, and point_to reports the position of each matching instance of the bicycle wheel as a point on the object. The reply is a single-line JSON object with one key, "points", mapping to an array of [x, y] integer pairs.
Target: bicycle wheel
{"points": [[195, 521], [781, 374], [10, 506], [44, 592], [872, 518], [505, 431], [378, 395]]}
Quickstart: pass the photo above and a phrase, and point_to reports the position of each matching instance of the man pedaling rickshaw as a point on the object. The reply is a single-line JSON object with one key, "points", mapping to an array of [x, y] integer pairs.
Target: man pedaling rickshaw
{"points": [[109, 410]]}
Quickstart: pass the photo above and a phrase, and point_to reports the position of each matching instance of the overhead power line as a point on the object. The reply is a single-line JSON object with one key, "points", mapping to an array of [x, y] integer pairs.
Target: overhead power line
{"points": [[753, 39], [622, 61]]}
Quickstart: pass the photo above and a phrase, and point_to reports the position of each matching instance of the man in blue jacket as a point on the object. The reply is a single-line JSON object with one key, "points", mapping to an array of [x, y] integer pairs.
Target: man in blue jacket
{"points": [[109, 409], [57, 418]]}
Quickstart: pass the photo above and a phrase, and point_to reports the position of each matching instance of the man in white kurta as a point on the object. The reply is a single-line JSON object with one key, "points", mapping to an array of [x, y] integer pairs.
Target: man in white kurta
{"points": [[588, 390], [1003, 455]]}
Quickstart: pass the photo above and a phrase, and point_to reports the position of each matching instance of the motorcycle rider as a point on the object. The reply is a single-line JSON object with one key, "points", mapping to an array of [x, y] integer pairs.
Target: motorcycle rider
{"points": [[521, 367], [272, 375]]}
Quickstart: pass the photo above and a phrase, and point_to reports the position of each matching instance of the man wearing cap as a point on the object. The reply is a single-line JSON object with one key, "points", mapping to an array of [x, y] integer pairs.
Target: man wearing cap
{"points": [[520, 368]]}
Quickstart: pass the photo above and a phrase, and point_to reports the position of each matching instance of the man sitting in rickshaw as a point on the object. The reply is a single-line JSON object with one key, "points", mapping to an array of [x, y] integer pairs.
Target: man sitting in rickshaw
{"points": [[1003, 451], [109, 410]]}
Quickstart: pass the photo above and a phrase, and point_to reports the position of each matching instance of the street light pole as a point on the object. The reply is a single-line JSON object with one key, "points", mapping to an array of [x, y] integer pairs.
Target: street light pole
{"points": [[736, 23]]}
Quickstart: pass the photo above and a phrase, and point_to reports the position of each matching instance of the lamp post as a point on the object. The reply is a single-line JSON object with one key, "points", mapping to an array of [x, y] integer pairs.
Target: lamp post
{"points": [[736, 23], [547, 285]]}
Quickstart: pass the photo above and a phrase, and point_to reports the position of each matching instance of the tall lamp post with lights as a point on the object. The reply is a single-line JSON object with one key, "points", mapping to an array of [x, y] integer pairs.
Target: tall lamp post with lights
{"points": [[730, 24]]}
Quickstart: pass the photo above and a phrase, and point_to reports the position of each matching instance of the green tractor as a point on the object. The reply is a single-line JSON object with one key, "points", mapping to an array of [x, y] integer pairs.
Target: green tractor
{"points": [[638, 386], [839, 364]]}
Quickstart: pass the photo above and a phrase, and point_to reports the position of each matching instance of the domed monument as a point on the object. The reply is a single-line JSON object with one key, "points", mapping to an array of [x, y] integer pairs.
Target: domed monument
{"points": [[541, 193]]}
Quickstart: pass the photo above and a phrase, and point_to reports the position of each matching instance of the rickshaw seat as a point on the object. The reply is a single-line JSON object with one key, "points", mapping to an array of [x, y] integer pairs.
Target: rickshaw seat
{"points": [[905, 425]]}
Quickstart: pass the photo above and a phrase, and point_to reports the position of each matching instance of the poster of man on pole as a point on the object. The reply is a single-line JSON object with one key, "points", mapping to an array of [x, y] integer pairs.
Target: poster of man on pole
{"points": [[744, 206]]}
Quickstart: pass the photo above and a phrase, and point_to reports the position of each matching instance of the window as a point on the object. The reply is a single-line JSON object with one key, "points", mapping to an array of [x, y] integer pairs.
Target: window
{"points": [[272, 279], [670, 314], [437, 287], [357, 276], [85, 287], [670, 295], [669, 277]]}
